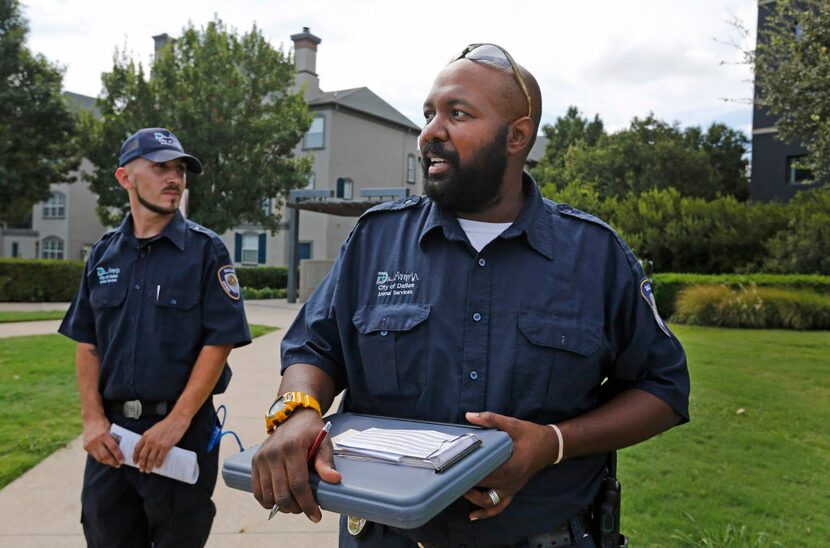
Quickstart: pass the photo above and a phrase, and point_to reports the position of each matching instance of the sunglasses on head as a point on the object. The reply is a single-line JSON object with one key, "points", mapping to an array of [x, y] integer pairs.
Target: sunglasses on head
{"points": [[498, 56]]}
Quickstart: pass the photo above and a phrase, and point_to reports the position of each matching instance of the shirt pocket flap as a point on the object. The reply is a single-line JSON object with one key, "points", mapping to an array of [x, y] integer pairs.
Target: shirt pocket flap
{"points": [[389, 317], [175, 297], [107, 296], [561, 333]]}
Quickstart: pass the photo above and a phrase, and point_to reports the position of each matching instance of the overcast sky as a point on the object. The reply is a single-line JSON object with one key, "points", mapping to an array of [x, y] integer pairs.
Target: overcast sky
{"points": [[619, 59]]}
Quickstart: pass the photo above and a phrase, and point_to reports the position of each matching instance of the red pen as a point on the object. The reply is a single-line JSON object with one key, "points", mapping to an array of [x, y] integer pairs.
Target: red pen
{"points": [[318, 441]]}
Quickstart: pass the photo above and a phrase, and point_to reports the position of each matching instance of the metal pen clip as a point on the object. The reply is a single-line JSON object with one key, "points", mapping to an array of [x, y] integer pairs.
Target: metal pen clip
{"points": [[158, 289]]}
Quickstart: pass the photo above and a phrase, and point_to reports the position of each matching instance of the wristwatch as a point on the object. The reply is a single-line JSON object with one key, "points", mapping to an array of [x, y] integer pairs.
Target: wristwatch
{"points": [[284, 406]]}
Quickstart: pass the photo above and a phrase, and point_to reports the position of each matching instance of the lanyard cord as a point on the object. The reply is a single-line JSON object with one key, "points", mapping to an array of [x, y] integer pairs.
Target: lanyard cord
{"points": [[218, 434]]}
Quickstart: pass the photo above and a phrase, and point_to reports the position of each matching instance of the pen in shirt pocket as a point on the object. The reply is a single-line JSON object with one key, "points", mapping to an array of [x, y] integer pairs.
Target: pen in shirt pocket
{"points": [[158, 288]]}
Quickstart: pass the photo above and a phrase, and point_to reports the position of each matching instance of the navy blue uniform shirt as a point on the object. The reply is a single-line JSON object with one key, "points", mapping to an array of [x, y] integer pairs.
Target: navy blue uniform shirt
{"points": [[149, 309], [419, 325]]}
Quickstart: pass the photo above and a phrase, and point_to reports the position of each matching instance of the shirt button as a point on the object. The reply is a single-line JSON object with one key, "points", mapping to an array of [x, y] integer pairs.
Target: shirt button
{"points": [[137, 287], [384, 333], [477, 317], [482, 262], [172, 301], [474, 375]]}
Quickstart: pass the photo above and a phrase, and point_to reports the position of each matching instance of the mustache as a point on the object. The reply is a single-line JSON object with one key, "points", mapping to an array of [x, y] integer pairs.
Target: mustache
{"points": [[438, 148], [172, 187]]}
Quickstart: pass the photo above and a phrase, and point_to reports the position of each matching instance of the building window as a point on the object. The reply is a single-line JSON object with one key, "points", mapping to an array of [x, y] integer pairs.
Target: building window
{"points": [[312, 181], [315, 137], [345, 188], [267, 206], [15, 250], [55, 208], [796, 174], [304, 250], [250, 248], [410, 169], [52, 248]]}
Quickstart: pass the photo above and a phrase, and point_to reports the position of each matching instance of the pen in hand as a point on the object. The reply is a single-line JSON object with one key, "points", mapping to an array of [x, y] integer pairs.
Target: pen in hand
{"points": [[311, 452]]}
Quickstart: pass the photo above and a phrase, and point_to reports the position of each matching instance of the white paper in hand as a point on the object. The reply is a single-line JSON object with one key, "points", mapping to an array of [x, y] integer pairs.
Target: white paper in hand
{"points": [[179, 464]]}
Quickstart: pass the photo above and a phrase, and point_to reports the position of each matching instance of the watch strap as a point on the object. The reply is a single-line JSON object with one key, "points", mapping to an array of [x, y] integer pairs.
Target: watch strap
{"points": [[292, 400]]}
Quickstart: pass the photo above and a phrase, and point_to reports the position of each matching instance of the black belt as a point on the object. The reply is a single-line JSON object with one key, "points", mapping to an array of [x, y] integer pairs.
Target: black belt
{"points": [[135, 409], [567, 533]]}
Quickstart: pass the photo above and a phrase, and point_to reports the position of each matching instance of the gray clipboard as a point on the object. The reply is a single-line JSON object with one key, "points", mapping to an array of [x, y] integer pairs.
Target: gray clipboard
{"points": [[401, 496]]}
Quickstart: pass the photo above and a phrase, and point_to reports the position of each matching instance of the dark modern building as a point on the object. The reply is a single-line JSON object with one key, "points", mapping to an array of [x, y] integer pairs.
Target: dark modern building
{"points": [[775, 175]]}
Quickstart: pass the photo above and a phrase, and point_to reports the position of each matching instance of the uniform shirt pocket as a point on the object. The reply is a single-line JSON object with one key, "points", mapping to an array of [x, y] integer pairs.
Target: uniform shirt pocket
{"points": [[393, 347], [107, 301], [178, 321], [557, 365]]}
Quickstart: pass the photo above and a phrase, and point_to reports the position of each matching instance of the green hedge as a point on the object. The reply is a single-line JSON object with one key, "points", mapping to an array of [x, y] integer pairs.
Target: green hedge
{"points": [[668, 286], [39, 280], [261, 277], [752, 306], [251, 294]]}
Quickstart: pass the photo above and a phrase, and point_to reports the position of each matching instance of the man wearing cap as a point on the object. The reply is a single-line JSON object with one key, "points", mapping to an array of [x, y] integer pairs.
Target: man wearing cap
{"points": [[157, 313], [481, 303]]}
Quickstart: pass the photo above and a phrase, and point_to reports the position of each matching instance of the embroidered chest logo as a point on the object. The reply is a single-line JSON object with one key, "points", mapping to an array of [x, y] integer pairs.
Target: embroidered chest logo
{"points": [[399, 283], [107, 275]]}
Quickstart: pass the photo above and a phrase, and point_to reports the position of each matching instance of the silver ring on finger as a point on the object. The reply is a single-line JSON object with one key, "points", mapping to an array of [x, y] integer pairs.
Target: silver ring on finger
{"points": [[494, 497]]}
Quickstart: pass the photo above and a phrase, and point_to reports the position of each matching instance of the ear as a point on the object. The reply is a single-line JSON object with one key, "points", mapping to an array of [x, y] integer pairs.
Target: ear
{"points": [[519, 135], [123, 178]]}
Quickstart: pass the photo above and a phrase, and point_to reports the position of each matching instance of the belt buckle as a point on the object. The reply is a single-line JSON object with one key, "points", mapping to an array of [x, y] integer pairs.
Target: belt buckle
{"points": [[132, 409]]}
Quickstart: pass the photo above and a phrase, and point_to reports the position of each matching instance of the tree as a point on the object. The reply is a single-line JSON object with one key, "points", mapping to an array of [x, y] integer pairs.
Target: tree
{"points": [[37, 130], [649, 154], [228, 98], [792, 77], [567, 131]]}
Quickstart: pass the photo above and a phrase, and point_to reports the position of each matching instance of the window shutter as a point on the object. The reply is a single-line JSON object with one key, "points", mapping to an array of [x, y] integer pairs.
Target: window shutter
{"points": [[261, 250], [237, 247]]}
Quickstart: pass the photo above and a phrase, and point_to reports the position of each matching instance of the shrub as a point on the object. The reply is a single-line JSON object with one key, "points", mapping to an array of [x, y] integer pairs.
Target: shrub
{"points": [[757, 307], [250, 293], [39, 280], [260, 277], [668, 286]]}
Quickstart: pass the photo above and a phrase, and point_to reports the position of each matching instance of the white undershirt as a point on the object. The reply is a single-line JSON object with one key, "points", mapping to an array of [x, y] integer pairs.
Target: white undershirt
{"points": [[480, 233]]}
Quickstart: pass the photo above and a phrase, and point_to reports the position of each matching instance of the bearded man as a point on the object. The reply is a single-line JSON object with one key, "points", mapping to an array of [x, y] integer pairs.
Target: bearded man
{"points": [[518, 314]]}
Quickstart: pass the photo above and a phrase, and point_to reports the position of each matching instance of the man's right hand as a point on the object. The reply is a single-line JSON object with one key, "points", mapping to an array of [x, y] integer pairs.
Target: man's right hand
{"points": [[279, 470], [99, 443]]}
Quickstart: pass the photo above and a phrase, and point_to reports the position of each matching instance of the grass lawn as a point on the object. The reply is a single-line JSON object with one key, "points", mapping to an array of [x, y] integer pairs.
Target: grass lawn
{"points": [[30, 316], [757, 477], [39, 406]]}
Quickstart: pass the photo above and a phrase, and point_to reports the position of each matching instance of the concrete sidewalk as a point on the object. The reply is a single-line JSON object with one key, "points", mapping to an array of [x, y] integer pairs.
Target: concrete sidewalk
{"points": [[42, 507]]}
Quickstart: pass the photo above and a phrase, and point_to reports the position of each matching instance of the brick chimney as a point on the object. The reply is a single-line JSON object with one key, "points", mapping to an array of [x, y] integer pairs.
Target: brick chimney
{"points": [[305, 61]]}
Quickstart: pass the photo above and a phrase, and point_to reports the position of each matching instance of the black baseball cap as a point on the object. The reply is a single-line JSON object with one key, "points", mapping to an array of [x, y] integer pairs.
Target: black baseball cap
{"points": [[157, 145]]}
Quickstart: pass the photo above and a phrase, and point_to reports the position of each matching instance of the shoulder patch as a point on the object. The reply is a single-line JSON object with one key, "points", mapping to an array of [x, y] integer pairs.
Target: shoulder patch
{"points": [[229, 282], [648, 296]]}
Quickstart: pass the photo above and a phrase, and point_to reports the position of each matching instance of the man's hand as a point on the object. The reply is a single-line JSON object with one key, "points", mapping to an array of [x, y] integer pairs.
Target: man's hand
{"points": [[279, 470], [533, 445], [156, 442], [99, 443]]}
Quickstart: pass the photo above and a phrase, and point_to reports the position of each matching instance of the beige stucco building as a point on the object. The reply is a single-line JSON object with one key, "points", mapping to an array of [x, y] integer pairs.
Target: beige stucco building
{"points": [[358, 141]]}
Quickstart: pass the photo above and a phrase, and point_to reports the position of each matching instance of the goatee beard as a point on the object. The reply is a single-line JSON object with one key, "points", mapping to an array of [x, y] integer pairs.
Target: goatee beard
{"points": [[471, 188], [155, 208]]}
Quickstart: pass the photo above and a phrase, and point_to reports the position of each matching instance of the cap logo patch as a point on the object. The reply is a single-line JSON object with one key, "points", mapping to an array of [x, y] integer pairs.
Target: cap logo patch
{"points": [[229, 282], [648, 296], [166, 140]]}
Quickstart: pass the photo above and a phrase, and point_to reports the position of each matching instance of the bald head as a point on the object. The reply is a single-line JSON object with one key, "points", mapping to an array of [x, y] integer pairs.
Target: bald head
{"points": [[502, 83]]}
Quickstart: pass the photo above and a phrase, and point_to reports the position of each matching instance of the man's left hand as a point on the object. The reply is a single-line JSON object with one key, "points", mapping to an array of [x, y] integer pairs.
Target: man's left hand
{"points": [[156, 442], [533, 445]]}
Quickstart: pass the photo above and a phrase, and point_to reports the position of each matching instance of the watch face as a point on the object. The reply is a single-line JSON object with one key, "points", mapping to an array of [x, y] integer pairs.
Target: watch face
{"points": [[277, 406]]}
